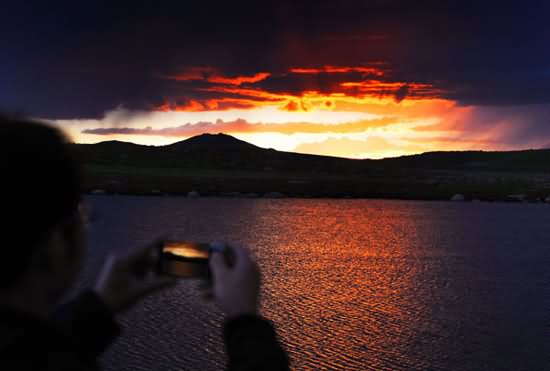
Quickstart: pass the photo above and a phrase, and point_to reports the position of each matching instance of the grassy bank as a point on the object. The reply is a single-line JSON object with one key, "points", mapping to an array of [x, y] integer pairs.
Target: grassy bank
{"points": [[427, 185]]}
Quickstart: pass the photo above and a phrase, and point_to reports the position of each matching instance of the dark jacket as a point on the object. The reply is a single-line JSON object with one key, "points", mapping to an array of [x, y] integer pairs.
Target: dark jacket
{"points": [[82, 329]]}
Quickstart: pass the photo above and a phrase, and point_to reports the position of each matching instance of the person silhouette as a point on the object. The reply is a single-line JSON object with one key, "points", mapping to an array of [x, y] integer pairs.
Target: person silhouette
{"points": [[43, 252]]}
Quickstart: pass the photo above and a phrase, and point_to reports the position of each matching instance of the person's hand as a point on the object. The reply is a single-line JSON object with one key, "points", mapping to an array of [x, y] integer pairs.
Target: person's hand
{"points": [[236, 288], [128, 276]]}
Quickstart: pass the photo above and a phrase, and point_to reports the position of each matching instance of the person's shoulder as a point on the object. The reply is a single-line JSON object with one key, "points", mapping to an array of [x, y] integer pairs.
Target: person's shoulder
{"points": [[27, 343], [33, 350], [40, 353]]}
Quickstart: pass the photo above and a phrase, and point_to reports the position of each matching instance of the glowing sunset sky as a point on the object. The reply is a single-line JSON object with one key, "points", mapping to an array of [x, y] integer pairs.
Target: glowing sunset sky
{"points": [[343, 78]]}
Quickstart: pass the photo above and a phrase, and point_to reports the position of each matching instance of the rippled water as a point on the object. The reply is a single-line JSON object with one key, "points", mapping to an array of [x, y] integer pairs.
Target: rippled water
{"points": [[350, 284]]}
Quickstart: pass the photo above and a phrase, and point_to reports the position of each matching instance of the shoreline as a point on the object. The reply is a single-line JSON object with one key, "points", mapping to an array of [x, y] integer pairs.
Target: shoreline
{"points": [[245, 196]]}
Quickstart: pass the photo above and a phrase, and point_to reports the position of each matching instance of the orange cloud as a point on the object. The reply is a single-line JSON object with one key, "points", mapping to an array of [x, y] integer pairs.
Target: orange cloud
{"points": [[212, 75], [191, 106], [238, 98], [239, 79], [413, 90], [262, 95], [214, 104], [307, 99], [297, 106], [241, 92], [334, 69]]}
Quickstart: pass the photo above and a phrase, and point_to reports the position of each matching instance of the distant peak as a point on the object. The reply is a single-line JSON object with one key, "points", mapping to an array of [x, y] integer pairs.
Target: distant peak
{"points": [[218, 135], [111, 141], [116, 143], [215, 141], [214, 135]]}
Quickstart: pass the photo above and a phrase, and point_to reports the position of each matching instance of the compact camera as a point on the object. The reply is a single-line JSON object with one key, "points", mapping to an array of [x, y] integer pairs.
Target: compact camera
{"points": [[189, 259]]}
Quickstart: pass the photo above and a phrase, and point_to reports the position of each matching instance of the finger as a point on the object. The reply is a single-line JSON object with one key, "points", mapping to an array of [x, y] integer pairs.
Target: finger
{"points": [[217, 265]]}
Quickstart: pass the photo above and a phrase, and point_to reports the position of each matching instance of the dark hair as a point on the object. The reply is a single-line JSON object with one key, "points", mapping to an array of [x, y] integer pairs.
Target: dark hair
{"points": [[40, 188]]}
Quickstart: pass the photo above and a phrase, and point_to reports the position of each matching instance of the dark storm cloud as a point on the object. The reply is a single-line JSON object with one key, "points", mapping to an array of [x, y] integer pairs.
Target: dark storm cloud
{"points": [[76, 61]]}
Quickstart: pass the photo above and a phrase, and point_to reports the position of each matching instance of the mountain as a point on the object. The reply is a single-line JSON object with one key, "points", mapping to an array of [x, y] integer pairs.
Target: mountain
{"points": [[215, 164], [213, 142], [208, 151], [221, 151]]}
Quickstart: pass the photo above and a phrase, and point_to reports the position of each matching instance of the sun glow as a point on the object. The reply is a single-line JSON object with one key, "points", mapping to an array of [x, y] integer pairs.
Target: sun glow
{"points": [[362, 128], [360, 113]]}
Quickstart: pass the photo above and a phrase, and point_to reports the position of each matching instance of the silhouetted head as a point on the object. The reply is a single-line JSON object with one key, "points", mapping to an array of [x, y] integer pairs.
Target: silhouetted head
{"points": [[39, 198]]}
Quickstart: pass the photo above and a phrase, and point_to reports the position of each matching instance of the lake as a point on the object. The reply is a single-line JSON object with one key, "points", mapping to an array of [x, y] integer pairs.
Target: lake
{"points": [[350, 284]]}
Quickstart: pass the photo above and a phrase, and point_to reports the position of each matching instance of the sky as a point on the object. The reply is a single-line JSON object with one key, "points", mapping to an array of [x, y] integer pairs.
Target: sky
{"points": [[357, 79]]}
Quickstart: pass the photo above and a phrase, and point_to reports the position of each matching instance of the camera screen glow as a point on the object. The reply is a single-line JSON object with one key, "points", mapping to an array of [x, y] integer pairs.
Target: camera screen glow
{"points": [[187, 250]]}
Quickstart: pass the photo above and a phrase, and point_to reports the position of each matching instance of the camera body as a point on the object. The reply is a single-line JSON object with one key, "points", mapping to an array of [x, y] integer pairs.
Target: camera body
{"points": [[188, 259]]}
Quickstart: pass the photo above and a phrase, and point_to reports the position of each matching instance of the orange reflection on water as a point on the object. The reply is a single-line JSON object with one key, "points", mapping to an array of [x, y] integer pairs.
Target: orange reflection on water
{"points": [[341, 280]]}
